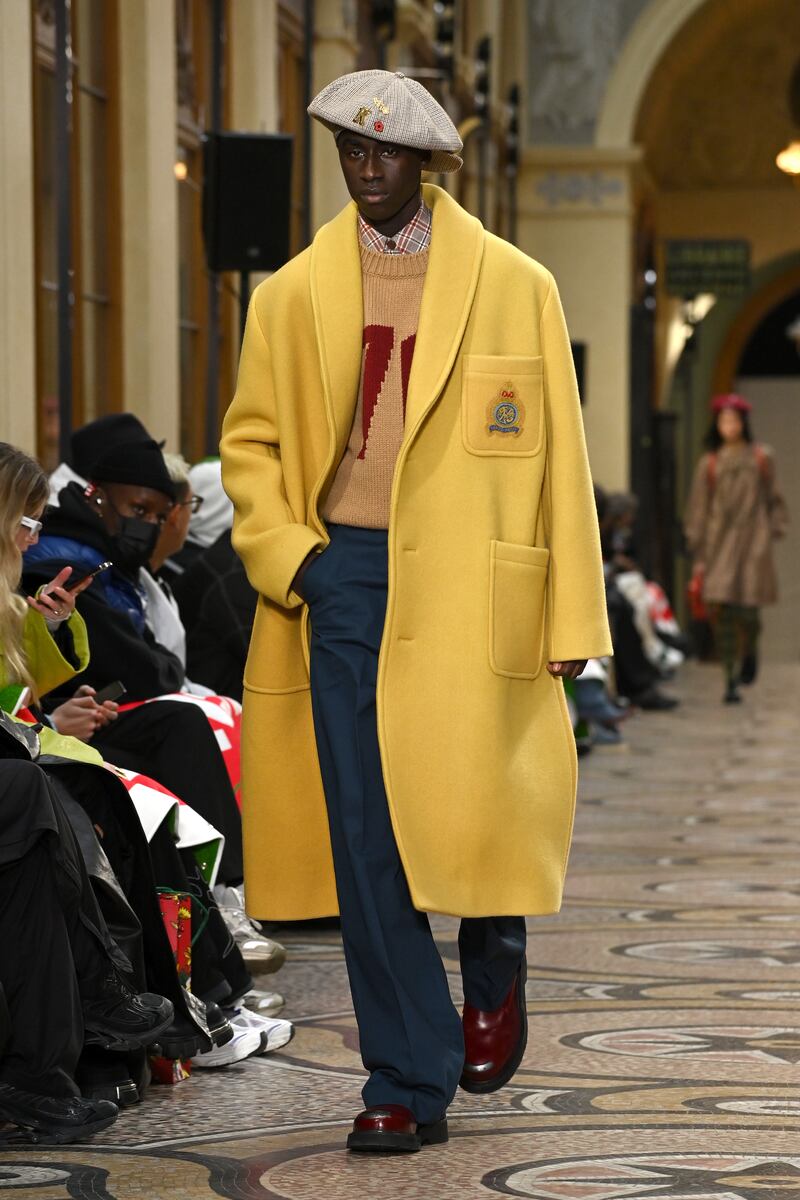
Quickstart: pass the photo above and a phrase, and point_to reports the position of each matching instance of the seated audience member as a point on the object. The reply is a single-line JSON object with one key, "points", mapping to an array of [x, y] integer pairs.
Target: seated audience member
{"points": [[217, 603], [62, 974], [163, 614], [256, 947], [117, 518], [131, 495], [43, 646], [89, 442], [595, 706], [218, 641], [205, 526], [621, 513], [637, 678]]}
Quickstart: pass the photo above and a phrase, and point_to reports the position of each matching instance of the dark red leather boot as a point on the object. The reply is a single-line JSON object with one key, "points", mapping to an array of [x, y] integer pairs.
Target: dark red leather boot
{"points": [[393, 1128], [494, 1042]]}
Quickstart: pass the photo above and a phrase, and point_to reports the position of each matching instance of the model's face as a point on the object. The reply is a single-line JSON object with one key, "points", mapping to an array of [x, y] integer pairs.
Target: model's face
{"points": [[730, 425], [383, 179]]}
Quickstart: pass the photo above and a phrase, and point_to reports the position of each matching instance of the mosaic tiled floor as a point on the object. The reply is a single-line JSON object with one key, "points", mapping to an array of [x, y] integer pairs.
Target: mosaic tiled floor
{"points": [[664, 1002]]}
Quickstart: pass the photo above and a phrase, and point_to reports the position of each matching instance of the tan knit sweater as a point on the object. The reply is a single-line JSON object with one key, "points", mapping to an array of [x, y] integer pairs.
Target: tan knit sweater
{"points": [[361, 490]]}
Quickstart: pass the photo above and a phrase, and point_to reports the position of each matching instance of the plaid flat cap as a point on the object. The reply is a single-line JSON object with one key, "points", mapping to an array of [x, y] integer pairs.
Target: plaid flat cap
{"points": [[390, 107]]}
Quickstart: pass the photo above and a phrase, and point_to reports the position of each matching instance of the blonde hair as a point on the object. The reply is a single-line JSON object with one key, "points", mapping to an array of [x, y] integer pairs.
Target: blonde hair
{"points": [[178, 471], [23, 491]]}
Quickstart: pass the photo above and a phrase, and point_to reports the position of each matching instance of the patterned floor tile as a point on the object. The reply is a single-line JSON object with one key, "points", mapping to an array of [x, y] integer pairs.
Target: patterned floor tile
{"points": [[664, 1008]]}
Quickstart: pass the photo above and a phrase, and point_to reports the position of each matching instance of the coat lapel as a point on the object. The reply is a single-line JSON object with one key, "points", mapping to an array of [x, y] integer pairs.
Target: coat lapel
{"points": [[450, 283], [337, 302]]}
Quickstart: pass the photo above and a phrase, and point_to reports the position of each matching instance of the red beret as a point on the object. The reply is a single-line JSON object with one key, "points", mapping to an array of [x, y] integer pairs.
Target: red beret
{"points": [[731, 400]]}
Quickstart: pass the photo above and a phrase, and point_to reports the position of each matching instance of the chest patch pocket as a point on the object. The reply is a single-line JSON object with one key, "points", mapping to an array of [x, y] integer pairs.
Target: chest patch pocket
{"points": [[502, 402]]}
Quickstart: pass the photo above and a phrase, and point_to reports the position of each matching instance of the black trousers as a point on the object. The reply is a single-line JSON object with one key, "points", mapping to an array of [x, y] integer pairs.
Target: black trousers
{"points": [[54, 945], [218, 970], [173, 743], [410, 1034], [635, 673]]}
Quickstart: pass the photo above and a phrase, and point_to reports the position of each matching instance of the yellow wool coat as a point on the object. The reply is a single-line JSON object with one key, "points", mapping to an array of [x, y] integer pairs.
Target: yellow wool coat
{"points": [[494, 569]]}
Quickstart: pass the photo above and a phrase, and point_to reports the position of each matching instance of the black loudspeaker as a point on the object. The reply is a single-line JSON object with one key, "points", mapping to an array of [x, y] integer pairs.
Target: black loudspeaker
{"points": [[247, 184]]}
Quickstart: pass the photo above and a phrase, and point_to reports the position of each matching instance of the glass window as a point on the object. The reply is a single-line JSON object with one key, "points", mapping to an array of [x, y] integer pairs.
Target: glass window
{"points": [[205, 321], [93, 247]]}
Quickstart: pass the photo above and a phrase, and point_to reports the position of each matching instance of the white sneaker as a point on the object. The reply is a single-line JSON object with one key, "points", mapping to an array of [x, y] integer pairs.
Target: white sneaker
{"points": [[257, 949], [243, 1043], [670, 658], [269, 1004], [272, 1033]]}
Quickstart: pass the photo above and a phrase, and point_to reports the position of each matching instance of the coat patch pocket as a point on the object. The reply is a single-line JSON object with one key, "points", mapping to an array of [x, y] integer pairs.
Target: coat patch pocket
{"points": [[502, 402], [517, 591]]}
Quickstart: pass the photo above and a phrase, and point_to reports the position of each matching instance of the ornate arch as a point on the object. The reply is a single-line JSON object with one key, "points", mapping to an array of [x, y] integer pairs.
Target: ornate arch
{"points": [[655, 29], [747, 320]]}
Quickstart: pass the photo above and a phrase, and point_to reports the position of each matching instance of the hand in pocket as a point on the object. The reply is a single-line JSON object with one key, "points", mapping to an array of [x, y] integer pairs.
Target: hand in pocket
{"points": [[300, 584]]}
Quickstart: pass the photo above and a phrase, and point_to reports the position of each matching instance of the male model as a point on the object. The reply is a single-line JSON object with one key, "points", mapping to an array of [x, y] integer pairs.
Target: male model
{"points": [[413, 504]]}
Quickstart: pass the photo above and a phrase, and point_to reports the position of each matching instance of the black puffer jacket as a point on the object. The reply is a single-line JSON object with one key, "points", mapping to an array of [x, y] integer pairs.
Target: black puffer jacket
{"points": [[217, 607]]}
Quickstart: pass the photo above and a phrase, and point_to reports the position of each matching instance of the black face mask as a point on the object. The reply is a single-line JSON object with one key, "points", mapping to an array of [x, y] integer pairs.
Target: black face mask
{"points": [[133, 543]]}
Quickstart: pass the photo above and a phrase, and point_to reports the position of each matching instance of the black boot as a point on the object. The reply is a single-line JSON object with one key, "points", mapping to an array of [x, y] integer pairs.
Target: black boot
{"points": [[749, 670], [101, 1075], [55, 1118], [732, 694], [115, 1017], [183, 1038]]}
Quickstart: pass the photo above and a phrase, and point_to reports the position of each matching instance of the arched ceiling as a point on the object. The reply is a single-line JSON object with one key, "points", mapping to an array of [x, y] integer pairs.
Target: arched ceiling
{"points": [[716, 113]]}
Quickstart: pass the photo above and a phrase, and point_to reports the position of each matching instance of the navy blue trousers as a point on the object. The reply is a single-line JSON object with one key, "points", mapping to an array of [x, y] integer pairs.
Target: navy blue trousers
{"points": [[410, 1033]]}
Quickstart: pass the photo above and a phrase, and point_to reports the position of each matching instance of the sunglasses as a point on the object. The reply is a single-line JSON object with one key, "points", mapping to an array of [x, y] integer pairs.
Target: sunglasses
{"points": [[31, 524]]}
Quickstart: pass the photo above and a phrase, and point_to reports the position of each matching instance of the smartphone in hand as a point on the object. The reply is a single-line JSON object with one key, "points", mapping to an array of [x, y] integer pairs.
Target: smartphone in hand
{"points": [[73, 584], [112, 691]]}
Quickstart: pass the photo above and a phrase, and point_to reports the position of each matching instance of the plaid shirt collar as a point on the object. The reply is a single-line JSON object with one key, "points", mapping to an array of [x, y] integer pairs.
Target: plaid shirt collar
{"points": [[412, 238]]}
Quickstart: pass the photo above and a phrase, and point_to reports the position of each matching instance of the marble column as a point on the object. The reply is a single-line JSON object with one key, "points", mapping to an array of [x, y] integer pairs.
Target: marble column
{"points": [[149, 216], [576, 217], [17, 271]]}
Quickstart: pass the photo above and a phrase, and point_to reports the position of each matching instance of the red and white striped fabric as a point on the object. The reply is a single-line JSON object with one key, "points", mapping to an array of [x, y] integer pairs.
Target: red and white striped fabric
{"points": [[155, 804], [661, 613], [225, 718]]}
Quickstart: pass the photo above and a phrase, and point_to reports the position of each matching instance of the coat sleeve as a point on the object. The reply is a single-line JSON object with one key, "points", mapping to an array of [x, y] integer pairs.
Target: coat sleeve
{"points": [[776, 503], [49, 661], [695, 521], [119, 651], [576, 588], [267, 535]]}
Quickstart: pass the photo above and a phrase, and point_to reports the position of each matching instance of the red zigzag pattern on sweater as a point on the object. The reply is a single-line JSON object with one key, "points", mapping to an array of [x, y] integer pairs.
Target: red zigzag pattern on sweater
{"points": [[379, 343]]}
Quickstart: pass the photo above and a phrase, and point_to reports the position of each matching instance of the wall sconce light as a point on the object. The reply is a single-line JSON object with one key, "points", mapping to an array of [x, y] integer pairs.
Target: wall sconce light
{"points": [[789, 158], [181, 167]]}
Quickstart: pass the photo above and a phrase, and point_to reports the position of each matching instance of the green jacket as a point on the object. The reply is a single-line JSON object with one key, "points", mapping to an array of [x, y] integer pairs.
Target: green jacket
{"points": [[49, 668]]}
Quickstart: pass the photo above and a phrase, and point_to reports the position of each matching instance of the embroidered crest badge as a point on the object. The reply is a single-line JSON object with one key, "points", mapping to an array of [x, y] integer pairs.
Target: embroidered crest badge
{"points": [[506, 412]]}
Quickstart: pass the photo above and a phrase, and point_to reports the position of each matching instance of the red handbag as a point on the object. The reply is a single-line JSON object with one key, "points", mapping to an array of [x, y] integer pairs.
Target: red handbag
{"points": [[694, 593]]}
